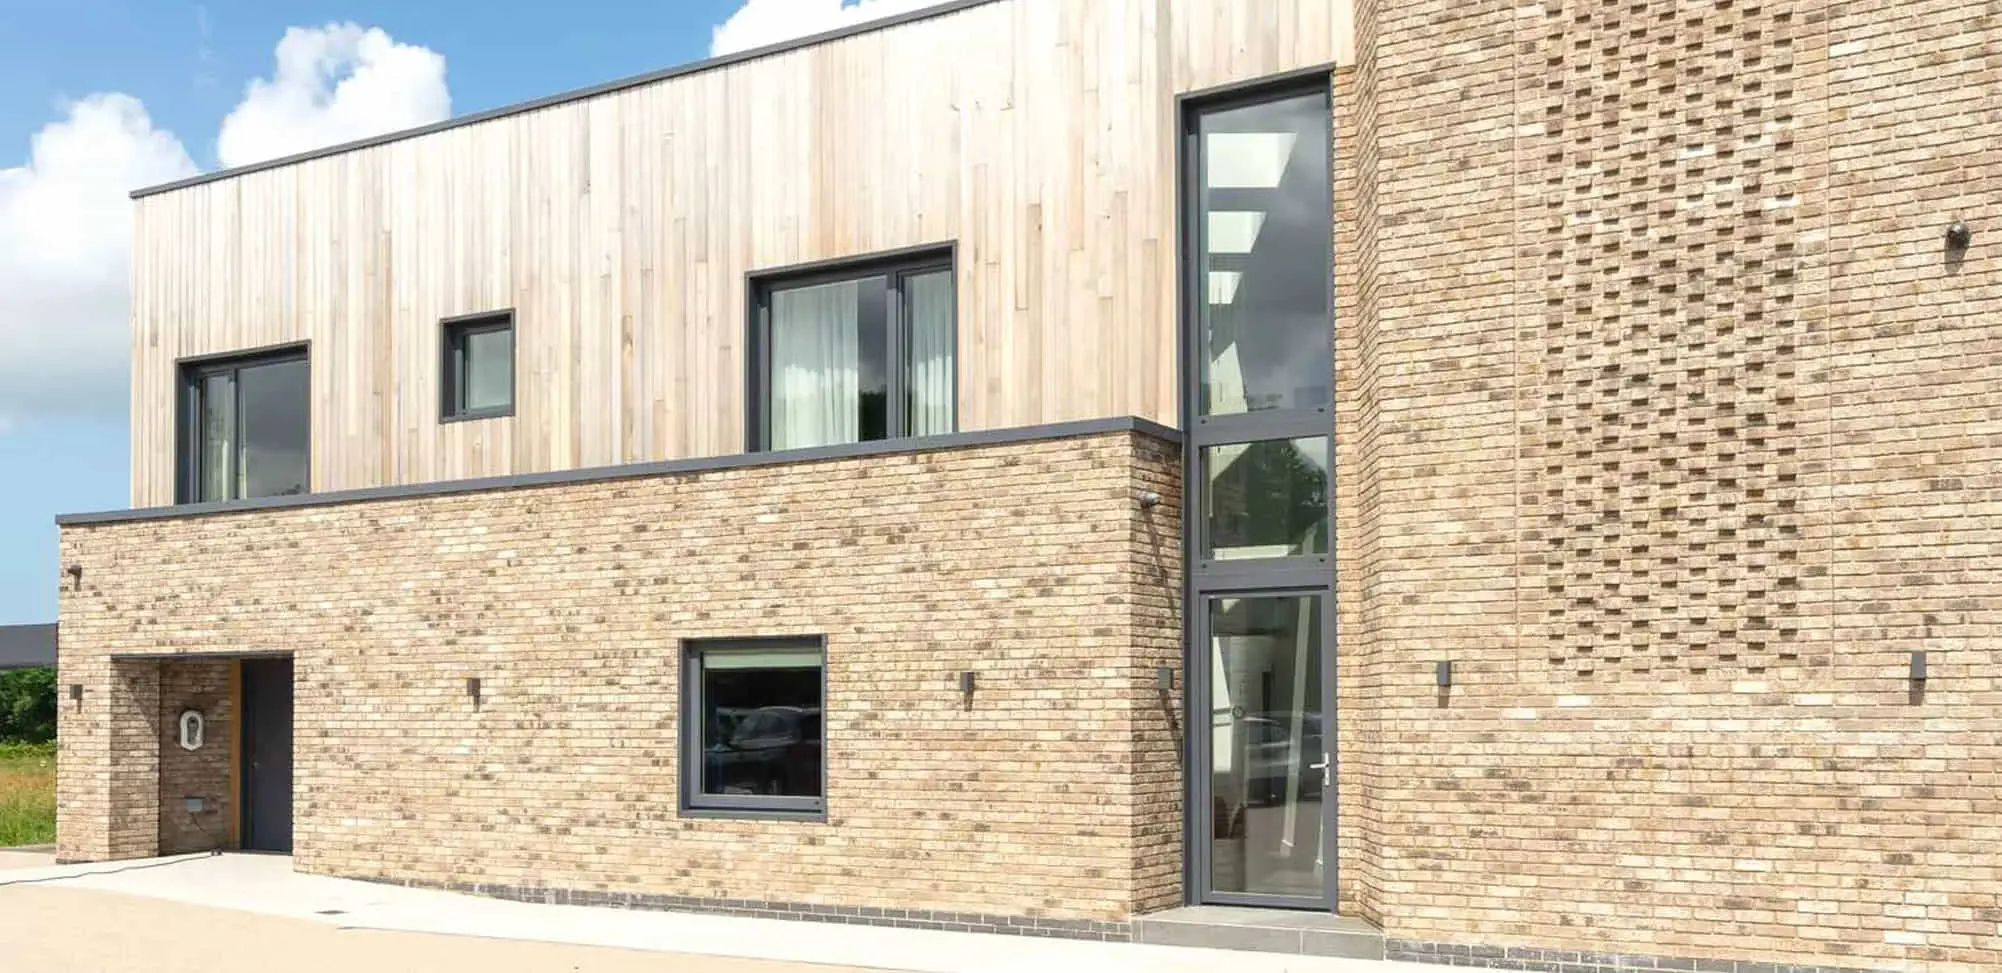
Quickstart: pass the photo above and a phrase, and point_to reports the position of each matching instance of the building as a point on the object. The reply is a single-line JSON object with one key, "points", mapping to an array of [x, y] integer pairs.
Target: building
{"points": [[1518, 476], [27, 646]]}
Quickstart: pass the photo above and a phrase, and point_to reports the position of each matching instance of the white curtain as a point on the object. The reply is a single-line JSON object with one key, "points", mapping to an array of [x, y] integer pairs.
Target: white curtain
{"points": [[929, 297], [816, 366]]}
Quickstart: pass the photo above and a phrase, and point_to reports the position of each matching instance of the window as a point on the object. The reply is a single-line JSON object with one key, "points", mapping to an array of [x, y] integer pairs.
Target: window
{"points": [[244, 427], [1264, 249], [479, 366], [1266, 499], [751, 726], [1259, 230], [852, 355]]}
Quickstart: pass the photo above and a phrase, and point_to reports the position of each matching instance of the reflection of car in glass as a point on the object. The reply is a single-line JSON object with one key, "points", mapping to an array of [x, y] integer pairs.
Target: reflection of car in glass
{"points": [[768, 750], [1270, 760]]}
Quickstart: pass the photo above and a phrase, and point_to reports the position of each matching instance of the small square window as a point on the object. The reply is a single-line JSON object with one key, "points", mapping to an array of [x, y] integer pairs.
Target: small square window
{"points": [[479, 366], [751, 727]]}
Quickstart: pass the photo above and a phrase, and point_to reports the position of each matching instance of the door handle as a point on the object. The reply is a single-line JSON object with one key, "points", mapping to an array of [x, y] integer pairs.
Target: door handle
{"points": [[1323, 767]]}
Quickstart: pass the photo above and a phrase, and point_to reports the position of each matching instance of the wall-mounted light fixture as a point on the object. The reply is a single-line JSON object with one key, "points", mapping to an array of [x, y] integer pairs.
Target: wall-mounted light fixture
{"points": [[75, 572], [1149, 500], [1442, 673], [1958, 235], [1918, 671], [473, 690], [194, 729], [1164, 679], [966, 683], [76, 694]]}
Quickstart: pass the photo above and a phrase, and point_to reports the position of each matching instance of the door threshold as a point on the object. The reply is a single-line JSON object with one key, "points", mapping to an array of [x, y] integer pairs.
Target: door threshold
{"points": [[1299, 932]]}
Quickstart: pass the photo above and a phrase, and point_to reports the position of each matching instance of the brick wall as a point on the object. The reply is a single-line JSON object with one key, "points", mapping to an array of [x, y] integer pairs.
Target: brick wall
{"points": [[206, 773], [1673, 430], [1055, 793]]}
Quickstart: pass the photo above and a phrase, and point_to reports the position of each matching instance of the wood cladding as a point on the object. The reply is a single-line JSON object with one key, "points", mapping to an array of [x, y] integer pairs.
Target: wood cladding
{"points": [[1039, 136]]}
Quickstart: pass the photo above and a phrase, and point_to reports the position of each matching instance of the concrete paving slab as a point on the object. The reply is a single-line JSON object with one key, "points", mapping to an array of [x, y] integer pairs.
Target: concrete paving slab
{"points": [[54, 929], [12, 858], [267, 885]]}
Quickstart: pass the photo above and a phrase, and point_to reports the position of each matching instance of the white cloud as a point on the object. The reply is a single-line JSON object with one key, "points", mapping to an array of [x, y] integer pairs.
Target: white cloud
{"points": [[66, 219], [65, 244], [334, 84], [761, 22]]}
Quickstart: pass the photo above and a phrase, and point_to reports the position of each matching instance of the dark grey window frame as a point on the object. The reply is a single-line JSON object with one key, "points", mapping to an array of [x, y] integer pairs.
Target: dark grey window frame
{"points": [[696, 804], [453, 332], [1207, 578], [1201, 743], [895, 266], [190, 373]]}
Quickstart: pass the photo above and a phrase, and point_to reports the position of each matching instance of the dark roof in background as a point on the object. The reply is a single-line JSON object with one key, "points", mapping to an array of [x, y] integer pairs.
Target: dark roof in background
{"points": [[695, 67], [27, 646]]}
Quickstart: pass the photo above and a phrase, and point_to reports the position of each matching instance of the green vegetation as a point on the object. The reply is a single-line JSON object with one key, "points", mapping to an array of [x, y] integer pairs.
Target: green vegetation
{"points": [[27, 794], [28, 706], [27, 757]]}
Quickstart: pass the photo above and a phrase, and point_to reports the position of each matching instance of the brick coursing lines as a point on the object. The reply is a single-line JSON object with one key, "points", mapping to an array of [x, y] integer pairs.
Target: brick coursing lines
{"points": [[1057, 793], [1576, 961], [1747, 782], [205, 773], [1105, 931], [1662, 449]]}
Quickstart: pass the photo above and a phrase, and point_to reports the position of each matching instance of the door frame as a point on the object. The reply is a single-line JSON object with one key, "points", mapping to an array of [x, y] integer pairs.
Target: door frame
{"points": [[1204, 578], [1199, 819], [245, 783]]}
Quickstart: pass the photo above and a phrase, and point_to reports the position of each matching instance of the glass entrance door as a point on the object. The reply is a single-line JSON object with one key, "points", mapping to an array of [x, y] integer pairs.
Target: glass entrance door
{"points": [[1267, 750]]}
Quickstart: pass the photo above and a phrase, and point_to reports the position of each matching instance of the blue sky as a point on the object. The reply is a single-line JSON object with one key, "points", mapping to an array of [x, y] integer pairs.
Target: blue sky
{"points": [[182, 69]]}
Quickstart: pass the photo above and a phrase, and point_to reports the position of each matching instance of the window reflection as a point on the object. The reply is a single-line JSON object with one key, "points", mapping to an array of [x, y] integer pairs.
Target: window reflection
{"points": [[1266, 251], [1266, 499]]}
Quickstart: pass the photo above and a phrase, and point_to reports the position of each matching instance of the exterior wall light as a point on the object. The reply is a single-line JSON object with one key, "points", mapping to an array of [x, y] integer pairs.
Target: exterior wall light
{"points": [[473, 690], [1149, 500], [1958, 236], [194, 728]]}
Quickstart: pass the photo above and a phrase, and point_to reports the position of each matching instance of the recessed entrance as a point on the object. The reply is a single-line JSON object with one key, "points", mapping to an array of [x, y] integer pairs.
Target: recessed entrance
{"points": [[266, 755]]}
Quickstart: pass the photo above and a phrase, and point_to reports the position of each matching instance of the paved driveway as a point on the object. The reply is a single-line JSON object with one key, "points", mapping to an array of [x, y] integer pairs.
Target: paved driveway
{"points": [[253, 913], [52, 929]]}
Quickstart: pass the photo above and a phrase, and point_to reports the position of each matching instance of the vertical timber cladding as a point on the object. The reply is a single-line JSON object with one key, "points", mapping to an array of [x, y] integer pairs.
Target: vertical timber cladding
{"points": [[1662, 451]]}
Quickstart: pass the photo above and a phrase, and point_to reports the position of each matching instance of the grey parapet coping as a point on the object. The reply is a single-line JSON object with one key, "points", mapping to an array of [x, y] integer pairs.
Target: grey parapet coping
{"points": [[632, 471]]}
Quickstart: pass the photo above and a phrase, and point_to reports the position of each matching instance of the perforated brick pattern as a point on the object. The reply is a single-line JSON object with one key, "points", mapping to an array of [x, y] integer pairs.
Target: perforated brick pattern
{"points": [[1663, 462]]}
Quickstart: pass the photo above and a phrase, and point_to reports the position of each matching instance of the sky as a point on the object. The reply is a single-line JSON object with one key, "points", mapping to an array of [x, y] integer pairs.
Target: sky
{"points": [[100, 97]]}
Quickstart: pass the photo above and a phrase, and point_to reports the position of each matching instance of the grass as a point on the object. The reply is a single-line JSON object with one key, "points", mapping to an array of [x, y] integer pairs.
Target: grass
{"points": [[27, 794]]}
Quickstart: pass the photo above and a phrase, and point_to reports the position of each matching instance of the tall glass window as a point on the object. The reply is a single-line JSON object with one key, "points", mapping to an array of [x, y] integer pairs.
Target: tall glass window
{"points": [[1264, 255], [246, 431], [861, 354], [1258, 234]]}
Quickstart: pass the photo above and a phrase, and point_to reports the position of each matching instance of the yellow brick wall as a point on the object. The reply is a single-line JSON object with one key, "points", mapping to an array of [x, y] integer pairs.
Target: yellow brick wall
{"points": [[1674, 436], [206, 773], [1056, 793]]}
